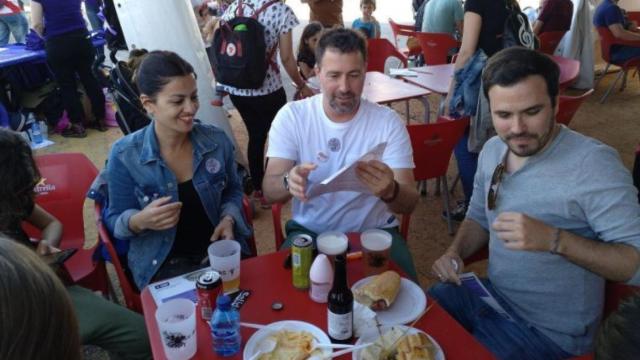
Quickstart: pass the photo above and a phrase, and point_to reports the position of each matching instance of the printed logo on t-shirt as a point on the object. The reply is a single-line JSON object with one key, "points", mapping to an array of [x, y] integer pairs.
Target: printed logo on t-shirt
{"points": [[334, 144], [322, 157]]}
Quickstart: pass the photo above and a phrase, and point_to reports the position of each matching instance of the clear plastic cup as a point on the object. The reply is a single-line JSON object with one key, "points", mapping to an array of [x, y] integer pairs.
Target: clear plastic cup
{"points": [[376, 245], [224, 257], [177, 324]]}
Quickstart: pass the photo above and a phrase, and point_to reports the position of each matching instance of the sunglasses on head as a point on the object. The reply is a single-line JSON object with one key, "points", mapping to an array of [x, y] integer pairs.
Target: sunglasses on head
{"points": [[496, 179]]}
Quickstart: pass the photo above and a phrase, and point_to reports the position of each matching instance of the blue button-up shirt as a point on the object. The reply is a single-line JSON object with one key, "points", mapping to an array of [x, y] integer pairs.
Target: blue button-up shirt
{"points": [[137, 175]]}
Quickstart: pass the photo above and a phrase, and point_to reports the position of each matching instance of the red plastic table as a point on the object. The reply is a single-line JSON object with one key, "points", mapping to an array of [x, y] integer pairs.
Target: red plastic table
{"points": [[269, 281], [383, 89]]}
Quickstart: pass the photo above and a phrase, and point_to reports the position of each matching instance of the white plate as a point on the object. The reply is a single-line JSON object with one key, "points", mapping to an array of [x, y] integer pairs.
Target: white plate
{"points": [[292, 325], [409, 303], [373, 335]]}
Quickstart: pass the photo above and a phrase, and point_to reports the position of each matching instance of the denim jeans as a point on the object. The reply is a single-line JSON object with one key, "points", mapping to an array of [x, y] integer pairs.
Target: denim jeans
{"points": [[15, 24], [467, 162], [624, 53], [506, 339]]}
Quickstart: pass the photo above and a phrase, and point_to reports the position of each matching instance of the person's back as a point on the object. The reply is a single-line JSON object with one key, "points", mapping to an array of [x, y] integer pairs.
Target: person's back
{"points": [[609, 15], [442, 16], [62, 17], [555, 16]]}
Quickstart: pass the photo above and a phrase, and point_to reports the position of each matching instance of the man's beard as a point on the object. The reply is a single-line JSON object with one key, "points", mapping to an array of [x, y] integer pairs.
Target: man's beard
{"points": [[541, 140], [342, 108]]}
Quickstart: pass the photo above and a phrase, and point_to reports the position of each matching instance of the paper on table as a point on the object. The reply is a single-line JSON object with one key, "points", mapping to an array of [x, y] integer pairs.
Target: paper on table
{"points": [[473, 284], [345, 179], [183, 286]]}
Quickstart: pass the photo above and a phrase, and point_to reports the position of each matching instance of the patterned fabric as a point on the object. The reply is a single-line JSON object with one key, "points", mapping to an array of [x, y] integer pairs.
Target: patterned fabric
{"points": [[277, 19]]}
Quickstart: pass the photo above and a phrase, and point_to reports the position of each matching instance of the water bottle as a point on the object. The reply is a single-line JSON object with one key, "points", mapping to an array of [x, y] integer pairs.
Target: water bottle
{"points": [[225, 327], [34, 129]]}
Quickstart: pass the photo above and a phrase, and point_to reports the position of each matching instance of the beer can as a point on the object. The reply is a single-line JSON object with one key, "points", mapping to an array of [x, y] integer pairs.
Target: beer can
{"points": [[301, 257], [208, 286]]}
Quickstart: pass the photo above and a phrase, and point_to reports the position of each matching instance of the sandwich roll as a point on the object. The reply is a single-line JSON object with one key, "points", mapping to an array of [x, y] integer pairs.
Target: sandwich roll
{"points": [[380, 292]]}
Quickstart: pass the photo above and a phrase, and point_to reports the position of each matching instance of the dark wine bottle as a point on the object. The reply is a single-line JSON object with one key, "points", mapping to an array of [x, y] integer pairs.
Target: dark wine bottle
{"points": [[340, 305]]}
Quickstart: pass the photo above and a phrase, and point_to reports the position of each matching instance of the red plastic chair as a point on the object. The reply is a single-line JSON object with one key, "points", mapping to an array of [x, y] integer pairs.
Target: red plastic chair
{"points": [[129, 290], [607, 40], [614, 294], [276, 215], [549, 41], [66, 178], [379, 50], [436, 47], [432, 148], [403, 30], [634, 16], [568, 106]]}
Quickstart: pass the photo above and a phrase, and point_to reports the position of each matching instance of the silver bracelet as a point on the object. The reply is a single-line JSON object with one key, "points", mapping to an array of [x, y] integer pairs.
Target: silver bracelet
{"points": [[555, 242]]}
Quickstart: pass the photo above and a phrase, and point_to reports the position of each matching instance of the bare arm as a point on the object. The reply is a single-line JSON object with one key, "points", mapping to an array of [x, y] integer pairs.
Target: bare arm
{"points": [[50, 227], [273, 184], [619, 32], [306, 70], [537, 26], [616, 262], [285, 45], [37, 22], [470, 238]]}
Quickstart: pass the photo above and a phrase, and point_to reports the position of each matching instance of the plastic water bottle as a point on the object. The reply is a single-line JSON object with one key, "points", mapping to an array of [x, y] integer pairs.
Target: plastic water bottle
{"points": [[34, 129], [225, 327]]}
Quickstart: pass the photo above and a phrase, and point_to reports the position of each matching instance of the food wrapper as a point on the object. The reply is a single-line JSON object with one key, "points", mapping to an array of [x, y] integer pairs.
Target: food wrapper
{"points": [[363, 318]]}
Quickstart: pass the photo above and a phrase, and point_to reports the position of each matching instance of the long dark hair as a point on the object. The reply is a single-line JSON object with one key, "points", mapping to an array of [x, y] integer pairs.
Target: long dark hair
{"points": [[309, 31], [19, 175]]}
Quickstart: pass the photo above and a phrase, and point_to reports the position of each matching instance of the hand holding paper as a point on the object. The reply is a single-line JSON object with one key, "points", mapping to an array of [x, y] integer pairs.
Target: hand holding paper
{"points": [[298, 180], [346, 178], [377, 176]]}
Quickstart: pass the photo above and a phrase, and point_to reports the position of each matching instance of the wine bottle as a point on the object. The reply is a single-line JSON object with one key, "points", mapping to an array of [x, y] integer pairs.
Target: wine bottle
{"points": [[340, 305]]}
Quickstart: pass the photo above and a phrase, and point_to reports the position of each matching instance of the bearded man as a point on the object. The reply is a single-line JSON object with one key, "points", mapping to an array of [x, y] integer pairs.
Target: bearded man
{"points": [[558, 212], [313, 138]]}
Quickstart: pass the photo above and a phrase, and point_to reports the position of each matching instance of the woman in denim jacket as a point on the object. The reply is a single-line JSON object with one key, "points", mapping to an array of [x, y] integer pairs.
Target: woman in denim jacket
{"points": [[173, 186]]}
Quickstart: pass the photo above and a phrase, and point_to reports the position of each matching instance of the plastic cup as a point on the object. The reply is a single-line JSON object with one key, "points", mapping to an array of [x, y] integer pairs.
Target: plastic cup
{"points": [[224, 256], [376, 245], [177, 324], [332, 243]]}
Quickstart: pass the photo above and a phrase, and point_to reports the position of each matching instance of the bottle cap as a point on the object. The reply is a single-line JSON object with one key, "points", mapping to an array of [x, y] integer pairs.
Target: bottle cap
{"points": [[223, 302]]}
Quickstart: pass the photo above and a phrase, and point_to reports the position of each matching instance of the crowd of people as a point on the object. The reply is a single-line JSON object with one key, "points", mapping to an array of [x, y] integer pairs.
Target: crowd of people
{"points": [[534, 194]]}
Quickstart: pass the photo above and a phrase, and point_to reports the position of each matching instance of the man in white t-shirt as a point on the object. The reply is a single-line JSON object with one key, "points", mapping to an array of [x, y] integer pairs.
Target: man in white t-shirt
{"points": [[312, 139]]}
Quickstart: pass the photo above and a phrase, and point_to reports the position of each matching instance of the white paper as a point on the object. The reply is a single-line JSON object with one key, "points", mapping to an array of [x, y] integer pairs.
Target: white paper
{"points": [[402, 72], [345, 179], [473, 284], [180, 287]]}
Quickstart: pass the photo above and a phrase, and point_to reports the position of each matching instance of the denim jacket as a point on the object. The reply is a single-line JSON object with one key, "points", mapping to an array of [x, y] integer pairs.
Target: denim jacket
{"points": [[464, 98], [137, 175]]}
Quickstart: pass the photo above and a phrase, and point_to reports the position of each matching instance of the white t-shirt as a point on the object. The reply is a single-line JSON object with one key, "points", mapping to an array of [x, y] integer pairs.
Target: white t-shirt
{"points": [[302, 132]]}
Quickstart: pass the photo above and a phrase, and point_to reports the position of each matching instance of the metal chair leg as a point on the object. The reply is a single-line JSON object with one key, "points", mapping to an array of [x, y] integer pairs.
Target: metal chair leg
{"points": [[455, 183], [611, 87], [445, 198], [604, 73]]}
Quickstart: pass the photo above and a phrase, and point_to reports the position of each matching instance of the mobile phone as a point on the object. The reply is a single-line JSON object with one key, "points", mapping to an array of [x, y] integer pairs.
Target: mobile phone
{"points": [[58, 258]]}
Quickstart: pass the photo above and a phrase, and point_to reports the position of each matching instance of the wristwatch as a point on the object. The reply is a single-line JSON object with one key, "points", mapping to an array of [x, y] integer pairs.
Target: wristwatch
{"points": [[285, 181]]}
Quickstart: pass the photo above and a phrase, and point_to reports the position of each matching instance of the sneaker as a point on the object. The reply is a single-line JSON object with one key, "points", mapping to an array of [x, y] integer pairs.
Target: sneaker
{"points": [[458, 213], [259, 197], [74, 131]]}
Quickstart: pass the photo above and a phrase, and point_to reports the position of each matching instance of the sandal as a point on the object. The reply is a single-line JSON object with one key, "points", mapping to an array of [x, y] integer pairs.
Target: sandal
{"points": [[74, 131]]}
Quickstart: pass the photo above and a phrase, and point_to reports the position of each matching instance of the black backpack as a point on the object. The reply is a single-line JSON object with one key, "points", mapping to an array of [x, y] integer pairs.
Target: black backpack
{"points": [[239, 53], [517, 30]]}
